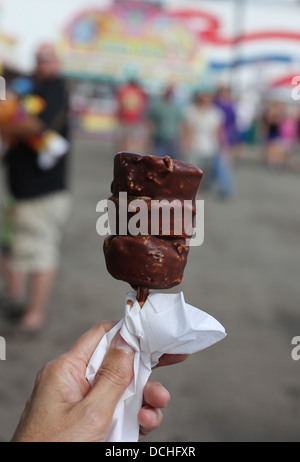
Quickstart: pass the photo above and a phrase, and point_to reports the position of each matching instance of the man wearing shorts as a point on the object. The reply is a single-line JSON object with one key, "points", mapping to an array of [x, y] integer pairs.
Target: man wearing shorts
{"points": [[41, 198]]}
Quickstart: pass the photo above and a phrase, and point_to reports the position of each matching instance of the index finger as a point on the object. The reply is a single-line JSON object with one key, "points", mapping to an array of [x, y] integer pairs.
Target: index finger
{"points": [[85, 346]]}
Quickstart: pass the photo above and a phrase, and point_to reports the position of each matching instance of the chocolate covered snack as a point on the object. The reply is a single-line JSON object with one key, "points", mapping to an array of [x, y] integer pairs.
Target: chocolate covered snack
{"points": [[146, 261], [152, 261]]}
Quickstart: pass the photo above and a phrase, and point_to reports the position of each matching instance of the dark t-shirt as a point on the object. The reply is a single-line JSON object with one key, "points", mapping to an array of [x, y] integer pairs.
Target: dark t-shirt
{"points": [[25, 179]]}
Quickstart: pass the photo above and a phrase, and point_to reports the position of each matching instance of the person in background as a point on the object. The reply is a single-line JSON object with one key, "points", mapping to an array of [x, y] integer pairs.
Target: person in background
{"points": [[289, 134], [131, 109], [5, 238], [204, 140], [271, 120], [41, 196], [165, 119], [203, 129], [225, 102]]}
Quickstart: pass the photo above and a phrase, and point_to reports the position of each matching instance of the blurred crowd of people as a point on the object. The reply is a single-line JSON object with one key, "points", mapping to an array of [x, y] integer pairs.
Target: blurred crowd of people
{"points": [[202, 132], [280, 133], [210, 128]]}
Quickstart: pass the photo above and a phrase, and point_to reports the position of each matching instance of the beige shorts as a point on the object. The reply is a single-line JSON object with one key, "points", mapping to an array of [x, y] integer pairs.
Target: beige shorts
{"points": [[37, 232]]}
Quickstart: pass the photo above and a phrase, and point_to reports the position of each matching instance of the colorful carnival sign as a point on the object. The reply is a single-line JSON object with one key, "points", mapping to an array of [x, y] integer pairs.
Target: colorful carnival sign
{"points": [[129, 38]]}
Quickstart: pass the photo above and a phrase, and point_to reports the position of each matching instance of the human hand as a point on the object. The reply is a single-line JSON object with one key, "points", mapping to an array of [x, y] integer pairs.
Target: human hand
{"points": [[29, 126], [64, 408]]}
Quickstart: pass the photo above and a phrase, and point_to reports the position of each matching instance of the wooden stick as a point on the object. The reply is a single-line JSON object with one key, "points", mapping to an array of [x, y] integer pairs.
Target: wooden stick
{"points": [[142, 294]]}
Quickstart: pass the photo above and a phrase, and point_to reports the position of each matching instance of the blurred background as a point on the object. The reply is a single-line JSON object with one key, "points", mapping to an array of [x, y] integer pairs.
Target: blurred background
{"points": [[162, 77]]}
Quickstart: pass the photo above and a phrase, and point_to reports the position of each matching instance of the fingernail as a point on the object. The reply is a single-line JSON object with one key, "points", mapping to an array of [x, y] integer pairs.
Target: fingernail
{"points": [[120, 344]]}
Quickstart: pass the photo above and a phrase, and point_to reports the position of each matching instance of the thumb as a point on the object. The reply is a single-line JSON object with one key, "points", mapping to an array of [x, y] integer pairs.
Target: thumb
{"points": [[113, 376]]}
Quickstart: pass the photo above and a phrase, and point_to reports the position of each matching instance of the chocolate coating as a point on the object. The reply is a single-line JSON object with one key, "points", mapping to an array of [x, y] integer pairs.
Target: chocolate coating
{"points": [[146, 260], [155, 177], [154, 261]]}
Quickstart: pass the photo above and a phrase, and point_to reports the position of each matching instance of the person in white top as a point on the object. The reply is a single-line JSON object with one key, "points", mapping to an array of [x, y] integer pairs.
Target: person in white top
{"points": [[203, 129], [204, 141]]}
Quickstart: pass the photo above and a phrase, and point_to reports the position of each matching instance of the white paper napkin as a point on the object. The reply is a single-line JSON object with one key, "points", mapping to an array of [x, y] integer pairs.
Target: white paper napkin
{"points": [[165, 324], [55, 146]]}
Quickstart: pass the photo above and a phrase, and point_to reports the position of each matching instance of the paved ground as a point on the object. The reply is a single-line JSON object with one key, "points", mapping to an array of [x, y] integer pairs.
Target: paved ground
{"points": [[246, 388]]}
